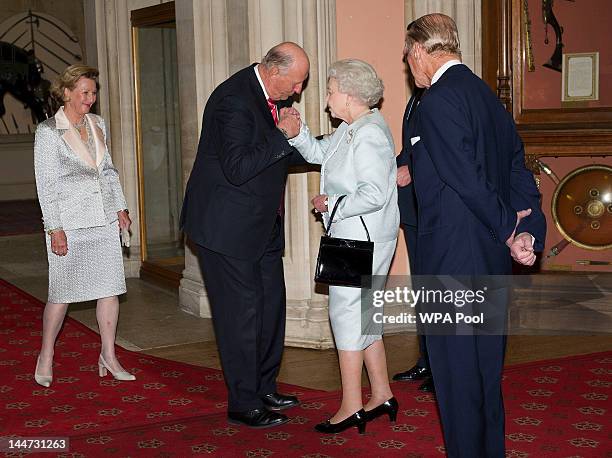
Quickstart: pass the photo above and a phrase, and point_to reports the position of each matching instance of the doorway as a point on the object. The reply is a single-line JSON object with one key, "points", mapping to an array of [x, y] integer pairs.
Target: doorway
{"points": [[158, 143]]}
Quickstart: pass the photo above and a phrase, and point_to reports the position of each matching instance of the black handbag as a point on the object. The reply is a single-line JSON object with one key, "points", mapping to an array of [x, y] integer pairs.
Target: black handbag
{"points": [[344, 262]]}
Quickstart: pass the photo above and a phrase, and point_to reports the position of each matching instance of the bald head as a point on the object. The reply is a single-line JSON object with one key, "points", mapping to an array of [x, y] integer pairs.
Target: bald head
{"points": [[284, 69], [285, 55]]}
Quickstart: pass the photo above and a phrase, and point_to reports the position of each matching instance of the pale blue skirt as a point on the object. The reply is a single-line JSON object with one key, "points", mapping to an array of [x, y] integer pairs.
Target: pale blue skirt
{"points": [[345, 308]]}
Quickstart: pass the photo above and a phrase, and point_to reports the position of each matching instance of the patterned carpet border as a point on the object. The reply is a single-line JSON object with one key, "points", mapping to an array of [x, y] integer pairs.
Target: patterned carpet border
{"points": [[554, 408]]}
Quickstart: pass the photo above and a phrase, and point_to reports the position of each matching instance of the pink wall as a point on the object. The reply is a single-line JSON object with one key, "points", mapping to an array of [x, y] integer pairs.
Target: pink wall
{"points": [[586, 28], [374, 31]]}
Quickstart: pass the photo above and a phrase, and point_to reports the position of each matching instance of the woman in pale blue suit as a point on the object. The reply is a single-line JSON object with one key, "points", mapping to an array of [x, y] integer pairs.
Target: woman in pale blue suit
{"points": [[358, 161]]}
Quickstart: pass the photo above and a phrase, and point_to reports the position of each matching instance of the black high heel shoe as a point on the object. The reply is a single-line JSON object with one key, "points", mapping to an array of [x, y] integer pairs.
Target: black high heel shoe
{"points": [[357, 419], [389, 407]]}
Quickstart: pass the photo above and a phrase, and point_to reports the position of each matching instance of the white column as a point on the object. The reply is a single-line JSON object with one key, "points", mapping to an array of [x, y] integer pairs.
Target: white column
{"points": [[201, 27], [307, 312], [265, 26]]}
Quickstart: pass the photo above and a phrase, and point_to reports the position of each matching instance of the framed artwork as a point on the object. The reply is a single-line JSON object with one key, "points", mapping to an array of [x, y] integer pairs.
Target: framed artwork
{"points": [[580, 77]]}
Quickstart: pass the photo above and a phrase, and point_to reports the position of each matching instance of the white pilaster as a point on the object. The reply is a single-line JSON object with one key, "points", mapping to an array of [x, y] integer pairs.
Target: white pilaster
{"points": [[201, 27]]}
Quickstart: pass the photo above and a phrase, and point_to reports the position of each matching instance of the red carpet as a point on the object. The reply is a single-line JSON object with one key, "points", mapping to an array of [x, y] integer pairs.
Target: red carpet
{"points": [[556, 408], [20, 217]]}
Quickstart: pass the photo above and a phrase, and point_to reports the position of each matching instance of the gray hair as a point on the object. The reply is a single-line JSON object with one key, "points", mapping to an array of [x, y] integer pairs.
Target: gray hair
{"points": [[277, 57], [357, 79], [437, 33]]}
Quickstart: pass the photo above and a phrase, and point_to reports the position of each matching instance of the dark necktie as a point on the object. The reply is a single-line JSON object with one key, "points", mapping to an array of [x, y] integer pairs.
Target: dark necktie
{"points": [[411, 110], [415, 101]]}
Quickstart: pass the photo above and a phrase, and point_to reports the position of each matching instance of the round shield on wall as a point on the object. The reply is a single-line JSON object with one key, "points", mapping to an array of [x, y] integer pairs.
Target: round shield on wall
{"points": [[582, 207]]}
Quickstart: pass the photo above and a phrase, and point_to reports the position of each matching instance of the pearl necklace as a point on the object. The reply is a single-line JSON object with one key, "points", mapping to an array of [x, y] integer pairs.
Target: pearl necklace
{"points": [[79, 125]]}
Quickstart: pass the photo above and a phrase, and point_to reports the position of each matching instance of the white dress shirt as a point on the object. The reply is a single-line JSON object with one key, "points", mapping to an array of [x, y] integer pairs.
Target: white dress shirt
{"points": [[436, 76]]}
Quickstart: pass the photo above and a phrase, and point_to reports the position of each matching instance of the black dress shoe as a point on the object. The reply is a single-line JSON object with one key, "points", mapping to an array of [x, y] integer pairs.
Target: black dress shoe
{"points": [[357, 419], [428, 385], [416, 373], [388, 407], [277, 401], [257, 418]]}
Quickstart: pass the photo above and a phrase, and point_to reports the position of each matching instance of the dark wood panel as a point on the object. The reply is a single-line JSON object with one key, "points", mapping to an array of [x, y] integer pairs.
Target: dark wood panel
{"points": [[490, 19], [569, 142], [156, 15], [160, 275]]}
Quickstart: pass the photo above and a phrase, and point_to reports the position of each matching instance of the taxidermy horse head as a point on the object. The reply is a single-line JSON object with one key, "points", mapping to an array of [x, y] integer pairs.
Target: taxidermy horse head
{"points": [[20, 76]]}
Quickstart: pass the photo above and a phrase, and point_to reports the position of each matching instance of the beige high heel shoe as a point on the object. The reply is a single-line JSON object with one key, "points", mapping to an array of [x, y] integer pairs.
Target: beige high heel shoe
{"points": [[43, 380], [103, 369]]}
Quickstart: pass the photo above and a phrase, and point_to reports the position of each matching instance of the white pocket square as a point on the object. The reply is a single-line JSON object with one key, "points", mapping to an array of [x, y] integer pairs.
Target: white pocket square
{"points": [[413, 140]]}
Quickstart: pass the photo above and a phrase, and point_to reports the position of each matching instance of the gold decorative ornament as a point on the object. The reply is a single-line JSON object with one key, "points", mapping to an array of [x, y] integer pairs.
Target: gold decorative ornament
{"points": [[582, 207], [529, 59]]}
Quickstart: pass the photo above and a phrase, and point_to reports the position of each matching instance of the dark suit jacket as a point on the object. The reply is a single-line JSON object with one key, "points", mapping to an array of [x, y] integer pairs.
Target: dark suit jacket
{"points": [[238, 178], [470, 179], [405, 195]]}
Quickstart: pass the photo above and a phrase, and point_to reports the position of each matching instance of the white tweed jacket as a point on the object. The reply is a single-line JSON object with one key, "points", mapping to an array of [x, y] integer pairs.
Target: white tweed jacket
{"points": [[74, 190], [357, 160]]}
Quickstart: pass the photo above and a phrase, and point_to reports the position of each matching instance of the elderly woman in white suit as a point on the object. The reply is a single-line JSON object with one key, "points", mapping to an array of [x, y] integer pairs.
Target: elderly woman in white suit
{"points": [[357, 161], [83, 210]]}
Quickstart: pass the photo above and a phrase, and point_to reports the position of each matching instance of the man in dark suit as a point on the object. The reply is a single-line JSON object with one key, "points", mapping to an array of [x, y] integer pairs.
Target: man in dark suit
{"points": [[478, 206], [233, 210], [408, 217]]}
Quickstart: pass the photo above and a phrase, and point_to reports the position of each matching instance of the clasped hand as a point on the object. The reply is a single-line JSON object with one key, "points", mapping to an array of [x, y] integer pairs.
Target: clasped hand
{"points": [[521, 245], [290, 121]]}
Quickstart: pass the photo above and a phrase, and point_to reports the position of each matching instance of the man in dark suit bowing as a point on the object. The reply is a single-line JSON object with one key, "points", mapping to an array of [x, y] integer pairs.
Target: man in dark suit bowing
{"points": [[233, 210], [478, 207], [408, 214]]}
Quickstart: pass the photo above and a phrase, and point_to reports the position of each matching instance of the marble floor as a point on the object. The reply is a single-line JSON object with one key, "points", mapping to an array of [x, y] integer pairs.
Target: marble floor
{"points": [[151, 322]]}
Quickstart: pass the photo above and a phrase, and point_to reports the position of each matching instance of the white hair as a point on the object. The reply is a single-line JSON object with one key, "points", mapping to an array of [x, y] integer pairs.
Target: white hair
{"points": [[357, 79]]}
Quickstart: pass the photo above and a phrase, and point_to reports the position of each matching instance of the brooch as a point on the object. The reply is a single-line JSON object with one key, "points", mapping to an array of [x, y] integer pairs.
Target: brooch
{"points": [[350, 136]]}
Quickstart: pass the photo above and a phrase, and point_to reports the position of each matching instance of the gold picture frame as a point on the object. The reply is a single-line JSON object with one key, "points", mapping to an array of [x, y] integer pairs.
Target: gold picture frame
{"points": [[580, 81]]}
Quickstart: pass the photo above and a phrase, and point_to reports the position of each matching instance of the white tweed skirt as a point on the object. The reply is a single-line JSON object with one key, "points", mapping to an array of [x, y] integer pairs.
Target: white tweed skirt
{"points": [[92, 269]]}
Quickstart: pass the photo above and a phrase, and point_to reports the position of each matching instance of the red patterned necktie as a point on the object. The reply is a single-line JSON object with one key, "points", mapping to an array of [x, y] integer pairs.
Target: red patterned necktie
{"points": [[273, 110]]}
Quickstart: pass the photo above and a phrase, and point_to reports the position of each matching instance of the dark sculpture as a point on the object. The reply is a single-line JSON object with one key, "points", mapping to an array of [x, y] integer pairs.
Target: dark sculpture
{"points": [[554, 63], [21, 76], [548, 16]]}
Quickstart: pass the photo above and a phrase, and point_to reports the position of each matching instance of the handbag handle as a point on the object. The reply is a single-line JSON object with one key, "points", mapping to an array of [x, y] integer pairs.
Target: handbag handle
{"points": [[333, 213]]}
